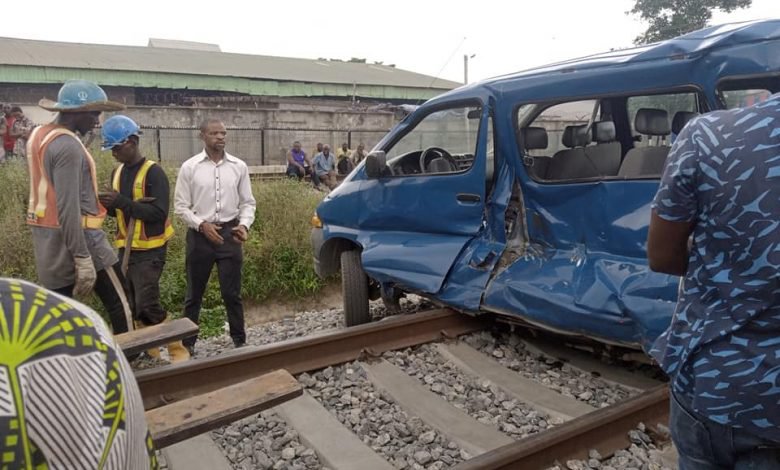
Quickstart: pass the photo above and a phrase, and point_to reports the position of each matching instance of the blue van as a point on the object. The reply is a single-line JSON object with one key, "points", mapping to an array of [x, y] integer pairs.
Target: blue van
{"points": [[528, 195]]}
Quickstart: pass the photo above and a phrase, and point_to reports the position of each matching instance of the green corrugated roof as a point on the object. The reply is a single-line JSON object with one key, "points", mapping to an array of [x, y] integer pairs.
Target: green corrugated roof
{"points": [[28, 61]]}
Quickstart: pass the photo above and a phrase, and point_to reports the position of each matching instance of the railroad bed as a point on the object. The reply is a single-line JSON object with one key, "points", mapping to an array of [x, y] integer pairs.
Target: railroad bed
{"points": [[432, 390]]}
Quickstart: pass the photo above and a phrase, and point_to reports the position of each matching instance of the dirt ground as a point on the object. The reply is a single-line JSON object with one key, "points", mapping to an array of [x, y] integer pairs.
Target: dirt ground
{"points": [[276, 309]]}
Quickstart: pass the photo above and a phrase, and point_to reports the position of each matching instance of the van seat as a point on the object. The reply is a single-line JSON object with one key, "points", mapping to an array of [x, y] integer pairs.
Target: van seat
{"points": [[606, 153], [680, 119], [573, 163], [535, 138], [647, 161]]}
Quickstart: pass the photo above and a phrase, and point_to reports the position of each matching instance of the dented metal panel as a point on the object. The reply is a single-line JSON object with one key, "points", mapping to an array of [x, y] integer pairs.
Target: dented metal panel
{"points": [[569, 257]]}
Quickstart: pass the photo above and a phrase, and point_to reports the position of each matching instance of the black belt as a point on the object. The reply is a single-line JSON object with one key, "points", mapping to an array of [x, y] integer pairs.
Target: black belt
{"points": [[229, 223], [224, 225]]}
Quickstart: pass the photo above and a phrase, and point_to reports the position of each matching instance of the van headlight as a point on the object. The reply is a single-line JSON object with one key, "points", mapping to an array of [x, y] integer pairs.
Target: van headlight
{"points": [[315, 221]]}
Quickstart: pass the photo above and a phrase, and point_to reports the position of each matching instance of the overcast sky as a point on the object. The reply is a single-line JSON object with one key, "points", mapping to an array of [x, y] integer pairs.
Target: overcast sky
{"points": [[424, 36]]}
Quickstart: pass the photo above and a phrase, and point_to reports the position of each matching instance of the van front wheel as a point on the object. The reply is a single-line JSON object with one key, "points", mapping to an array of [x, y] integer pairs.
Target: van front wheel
{"points": [[354, 288]]}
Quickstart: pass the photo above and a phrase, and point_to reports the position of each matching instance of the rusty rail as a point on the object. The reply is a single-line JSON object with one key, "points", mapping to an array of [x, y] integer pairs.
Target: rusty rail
{"points": [[604, 430], [176, 382]]}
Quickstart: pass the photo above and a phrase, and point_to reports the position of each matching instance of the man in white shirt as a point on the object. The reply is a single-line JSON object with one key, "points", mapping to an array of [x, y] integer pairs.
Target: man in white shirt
{"points": [[213, 196]]}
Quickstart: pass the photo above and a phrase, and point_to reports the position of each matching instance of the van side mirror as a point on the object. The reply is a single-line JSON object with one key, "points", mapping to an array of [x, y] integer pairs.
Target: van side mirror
{"points": [[376, 162]]}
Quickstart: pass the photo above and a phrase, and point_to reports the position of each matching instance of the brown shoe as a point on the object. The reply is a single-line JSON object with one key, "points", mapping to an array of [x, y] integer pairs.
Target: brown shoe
{"points": [[177, 352]]}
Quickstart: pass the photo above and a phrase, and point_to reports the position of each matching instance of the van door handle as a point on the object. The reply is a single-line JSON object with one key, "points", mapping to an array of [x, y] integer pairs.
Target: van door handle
{"points": [[468, 197]]}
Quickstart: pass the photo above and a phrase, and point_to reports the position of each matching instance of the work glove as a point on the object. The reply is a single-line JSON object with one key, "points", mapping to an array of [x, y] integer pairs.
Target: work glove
{"points": [[85, 276]]}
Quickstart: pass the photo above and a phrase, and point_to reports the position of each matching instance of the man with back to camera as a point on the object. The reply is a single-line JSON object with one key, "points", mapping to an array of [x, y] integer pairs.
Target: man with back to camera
{"points": [[721, 185], [72, 252], [213, 197], [140, 196], [69, 397]]}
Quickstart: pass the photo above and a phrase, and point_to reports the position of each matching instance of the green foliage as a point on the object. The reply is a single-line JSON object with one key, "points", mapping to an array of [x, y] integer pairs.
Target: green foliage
{"points": [[671, 18], [277, 256]]}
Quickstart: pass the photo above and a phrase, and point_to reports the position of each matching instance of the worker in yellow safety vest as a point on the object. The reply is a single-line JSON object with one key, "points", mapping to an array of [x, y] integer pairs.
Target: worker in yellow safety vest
{"points": [[72, 253], [140, 199]]}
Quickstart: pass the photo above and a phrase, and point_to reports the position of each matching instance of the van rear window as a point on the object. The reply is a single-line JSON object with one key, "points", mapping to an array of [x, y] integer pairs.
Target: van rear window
{"points": [[742, 92]]}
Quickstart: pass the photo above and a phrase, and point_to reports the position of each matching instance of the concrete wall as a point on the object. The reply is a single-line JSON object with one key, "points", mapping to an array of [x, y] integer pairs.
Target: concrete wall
{"points": [[281, 127], [311, 121]]}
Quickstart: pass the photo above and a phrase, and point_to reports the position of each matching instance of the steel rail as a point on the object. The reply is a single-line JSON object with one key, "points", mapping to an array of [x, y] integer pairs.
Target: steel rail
{"points": [[605, 430], [168, 384]]}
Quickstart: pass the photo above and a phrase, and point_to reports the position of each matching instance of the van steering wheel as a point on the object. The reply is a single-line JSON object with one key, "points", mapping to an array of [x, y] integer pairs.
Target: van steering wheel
{"points": [[439, 152]]}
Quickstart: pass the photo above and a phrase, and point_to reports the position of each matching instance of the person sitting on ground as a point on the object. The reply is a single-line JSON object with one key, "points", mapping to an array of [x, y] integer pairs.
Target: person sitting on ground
{"points": [[67, 394], [324, 168], [359, 155], [318, 149], [344, 151], [298, 164], [344, 163]]}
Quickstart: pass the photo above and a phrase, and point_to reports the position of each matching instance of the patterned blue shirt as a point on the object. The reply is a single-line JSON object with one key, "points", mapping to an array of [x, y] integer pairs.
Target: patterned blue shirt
{"points": [[722, 350]]}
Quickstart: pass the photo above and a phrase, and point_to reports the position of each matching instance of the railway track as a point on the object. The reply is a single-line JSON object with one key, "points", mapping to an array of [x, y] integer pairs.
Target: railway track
{"points": [[580, 427]]}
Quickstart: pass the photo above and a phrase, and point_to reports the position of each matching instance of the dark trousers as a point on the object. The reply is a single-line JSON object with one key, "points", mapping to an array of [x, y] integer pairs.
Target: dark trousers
{"points": [[201, 257], [703, 444], [110, 294], [295, 172], [143, 288]]}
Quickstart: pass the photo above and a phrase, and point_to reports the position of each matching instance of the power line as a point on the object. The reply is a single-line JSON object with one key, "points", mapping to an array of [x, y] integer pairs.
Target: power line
{"points": [[436, 77]]}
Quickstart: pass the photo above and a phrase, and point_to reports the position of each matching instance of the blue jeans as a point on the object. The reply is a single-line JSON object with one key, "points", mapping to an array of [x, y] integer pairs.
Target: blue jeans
{"points": [[703, 444]]}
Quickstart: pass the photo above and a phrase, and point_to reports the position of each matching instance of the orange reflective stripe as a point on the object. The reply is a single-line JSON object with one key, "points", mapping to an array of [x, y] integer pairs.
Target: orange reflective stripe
{"points": [[42, 206]]}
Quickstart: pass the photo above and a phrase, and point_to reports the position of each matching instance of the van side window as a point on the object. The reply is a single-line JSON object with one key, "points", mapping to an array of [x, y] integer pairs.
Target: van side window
{"points": [[670, 104], [616, 137], [544, 140], [742, 92], [443, 142]]}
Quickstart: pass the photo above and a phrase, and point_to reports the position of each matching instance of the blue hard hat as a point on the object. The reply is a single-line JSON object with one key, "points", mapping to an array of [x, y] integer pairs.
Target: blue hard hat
{"points": [[80, 96], [117, 129]]}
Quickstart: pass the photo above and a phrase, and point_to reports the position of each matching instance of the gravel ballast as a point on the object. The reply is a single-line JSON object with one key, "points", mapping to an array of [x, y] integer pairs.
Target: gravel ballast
{"points": [[264, 441], [509, 351], [404, 441], [480, 398], [643, 454]]}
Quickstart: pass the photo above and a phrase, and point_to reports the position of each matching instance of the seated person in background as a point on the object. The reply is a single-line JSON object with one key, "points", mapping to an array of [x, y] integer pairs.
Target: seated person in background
{"points": [[325, 168], [298, 164], [344, 163], [359, 154], [67, 394], [344, 151]]}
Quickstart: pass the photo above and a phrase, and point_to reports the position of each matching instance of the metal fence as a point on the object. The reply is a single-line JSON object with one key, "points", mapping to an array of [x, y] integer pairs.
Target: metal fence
{"points": [[255, 146]]}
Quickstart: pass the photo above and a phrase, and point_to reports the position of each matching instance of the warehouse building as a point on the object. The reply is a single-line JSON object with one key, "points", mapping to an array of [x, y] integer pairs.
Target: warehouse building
{"points": [[175, 84]]}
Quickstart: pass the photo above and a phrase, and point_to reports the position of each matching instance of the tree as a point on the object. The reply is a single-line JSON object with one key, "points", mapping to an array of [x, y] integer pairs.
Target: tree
{"points": [[672, 18]]}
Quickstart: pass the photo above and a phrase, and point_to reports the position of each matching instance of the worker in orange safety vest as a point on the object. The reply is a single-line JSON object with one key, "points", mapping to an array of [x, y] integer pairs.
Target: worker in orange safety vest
{"points": [[72, 253]]}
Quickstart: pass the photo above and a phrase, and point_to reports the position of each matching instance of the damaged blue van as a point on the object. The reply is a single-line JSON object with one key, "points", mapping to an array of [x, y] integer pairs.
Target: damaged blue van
{"points": [[528, 195]]}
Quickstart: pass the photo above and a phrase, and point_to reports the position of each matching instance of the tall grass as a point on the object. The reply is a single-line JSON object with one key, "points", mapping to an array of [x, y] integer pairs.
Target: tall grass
{"points": [[277, 256]]}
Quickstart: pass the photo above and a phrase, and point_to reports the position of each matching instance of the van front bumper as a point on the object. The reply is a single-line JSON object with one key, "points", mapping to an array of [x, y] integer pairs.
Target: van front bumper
{"points": [[317, 240]]}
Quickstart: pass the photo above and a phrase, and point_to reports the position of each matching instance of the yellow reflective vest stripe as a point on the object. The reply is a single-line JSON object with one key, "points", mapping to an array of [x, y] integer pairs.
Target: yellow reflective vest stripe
{"points": [[140, 240]]}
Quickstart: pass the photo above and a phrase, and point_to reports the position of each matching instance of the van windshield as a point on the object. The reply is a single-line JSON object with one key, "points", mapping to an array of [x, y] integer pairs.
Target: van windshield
{"points": [[454, 130]]}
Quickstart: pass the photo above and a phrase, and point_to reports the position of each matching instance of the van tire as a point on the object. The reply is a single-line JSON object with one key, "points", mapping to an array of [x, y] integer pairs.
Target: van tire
{"points": [[354, 289]]}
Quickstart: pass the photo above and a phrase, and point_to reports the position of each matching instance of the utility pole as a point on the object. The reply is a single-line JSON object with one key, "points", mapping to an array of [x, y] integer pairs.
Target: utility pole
{"points": [[466, 58]]}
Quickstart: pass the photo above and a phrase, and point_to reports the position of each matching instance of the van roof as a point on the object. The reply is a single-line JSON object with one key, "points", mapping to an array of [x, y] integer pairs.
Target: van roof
{"points": [[755, 43]]}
